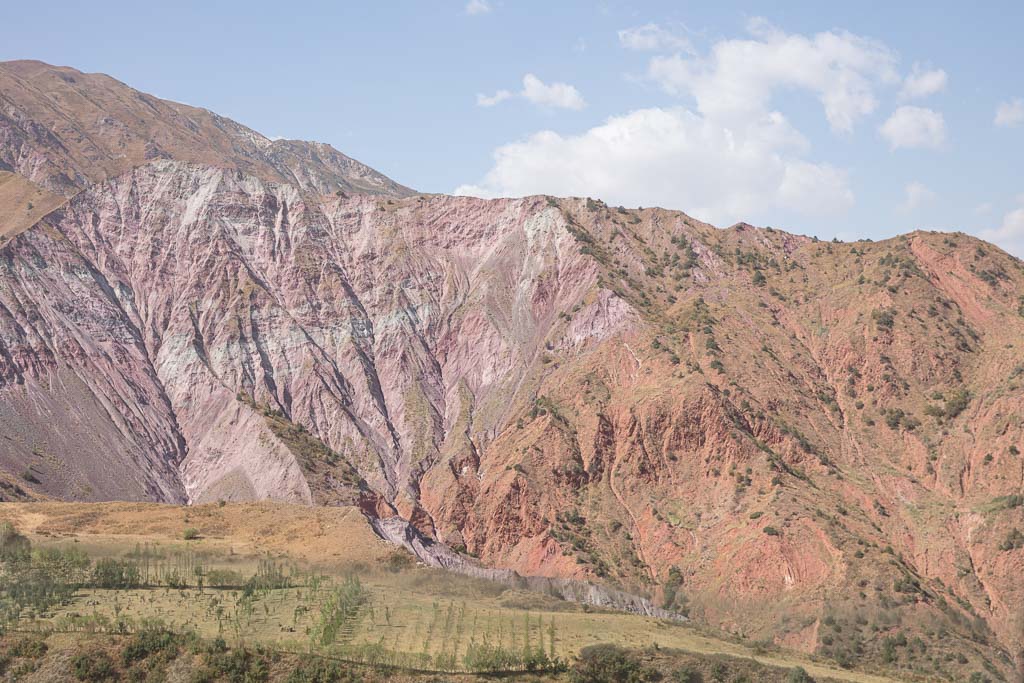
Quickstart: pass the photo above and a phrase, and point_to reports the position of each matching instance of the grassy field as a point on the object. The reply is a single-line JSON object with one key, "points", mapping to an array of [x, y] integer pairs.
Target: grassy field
{"points": [[406, 621], [300, 579]]}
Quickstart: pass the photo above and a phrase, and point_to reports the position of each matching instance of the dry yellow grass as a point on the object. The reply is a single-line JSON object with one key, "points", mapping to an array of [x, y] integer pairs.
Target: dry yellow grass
{"points": [[314, 535], [22, 204]]}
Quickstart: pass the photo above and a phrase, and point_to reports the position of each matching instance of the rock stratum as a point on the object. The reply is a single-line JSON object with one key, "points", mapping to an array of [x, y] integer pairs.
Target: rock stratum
{"points": [[818, 444]]}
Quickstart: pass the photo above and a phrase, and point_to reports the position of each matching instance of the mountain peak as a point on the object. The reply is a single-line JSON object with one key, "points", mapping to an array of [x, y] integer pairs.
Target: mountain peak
{"points": [[64, 129]]}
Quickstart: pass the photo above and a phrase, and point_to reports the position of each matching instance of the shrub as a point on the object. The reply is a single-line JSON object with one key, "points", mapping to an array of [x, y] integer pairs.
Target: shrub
{"points": [[316, 670], [111, 573], [94, 666], [883, 319], [190, 534], [772, 531], [957, 403], [606, 663], [1013, 540], [149, 642], [399, 560], [896, 418], [30, 648], [223, 578], [798, 675], [240, 665], [687, 675]]}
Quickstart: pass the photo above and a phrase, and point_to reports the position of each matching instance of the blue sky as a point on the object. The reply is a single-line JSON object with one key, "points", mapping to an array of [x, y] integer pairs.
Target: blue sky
{"points": [[832, 119]]}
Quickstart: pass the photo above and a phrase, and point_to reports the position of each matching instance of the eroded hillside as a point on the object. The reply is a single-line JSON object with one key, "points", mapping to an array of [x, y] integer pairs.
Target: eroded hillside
{"points": [[814, 443]]}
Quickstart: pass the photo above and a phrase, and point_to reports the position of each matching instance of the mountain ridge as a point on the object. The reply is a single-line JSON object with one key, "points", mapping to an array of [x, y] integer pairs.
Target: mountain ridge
{"points": [[63, 129], [775, 434]]}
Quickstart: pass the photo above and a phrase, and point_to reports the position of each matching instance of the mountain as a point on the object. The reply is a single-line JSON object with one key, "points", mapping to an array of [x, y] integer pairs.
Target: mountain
{"points": [[814, 443], [64, 130]]}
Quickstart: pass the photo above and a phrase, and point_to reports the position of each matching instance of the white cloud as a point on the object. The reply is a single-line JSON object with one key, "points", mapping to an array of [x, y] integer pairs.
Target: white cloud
{"points": [[738, 78], [914, 127], [1010, 113], [491, 100], [1009, 235], [673, 157], [560, 95], [916, 194], [730, 155], [922, 82], [475, 7], [653, 37]]}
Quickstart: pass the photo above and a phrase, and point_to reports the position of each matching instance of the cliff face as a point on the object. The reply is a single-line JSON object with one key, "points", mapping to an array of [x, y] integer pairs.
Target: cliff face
{"points": [[381, 325], [809, 442]]}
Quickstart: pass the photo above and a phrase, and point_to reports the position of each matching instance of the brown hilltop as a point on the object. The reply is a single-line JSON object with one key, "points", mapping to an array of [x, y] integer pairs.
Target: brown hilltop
{"points": [[816, 443], [64, 129]]}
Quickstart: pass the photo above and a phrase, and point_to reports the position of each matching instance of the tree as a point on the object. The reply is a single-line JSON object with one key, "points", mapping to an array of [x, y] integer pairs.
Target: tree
{"points": [[13, 546]]}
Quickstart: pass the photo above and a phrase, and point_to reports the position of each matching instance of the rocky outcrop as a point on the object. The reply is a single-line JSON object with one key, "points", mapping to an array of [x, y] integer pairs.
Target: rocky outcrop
{"points": [[401, 533]]}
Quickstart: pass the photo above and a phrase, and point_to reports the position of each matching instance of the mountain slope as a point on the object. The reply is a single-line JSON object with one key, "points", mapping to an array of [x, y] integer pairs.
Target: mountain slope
{"points": [[64, 129], [815, 443]]}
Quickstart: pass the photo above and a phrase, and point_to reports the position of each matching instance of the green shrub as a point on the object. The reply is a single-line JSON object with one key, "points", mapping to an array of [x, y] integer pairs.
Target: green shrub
{"points": [[94, 667], [224, 578], [399, 560], [111, 573], [798, 675], [772, 531], [148, 642], [606, 663], [957, 403], [316, 670], [883, 319], [1013, 540], [190, 534], [32, 647], [688, 675], [238, 666]]}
